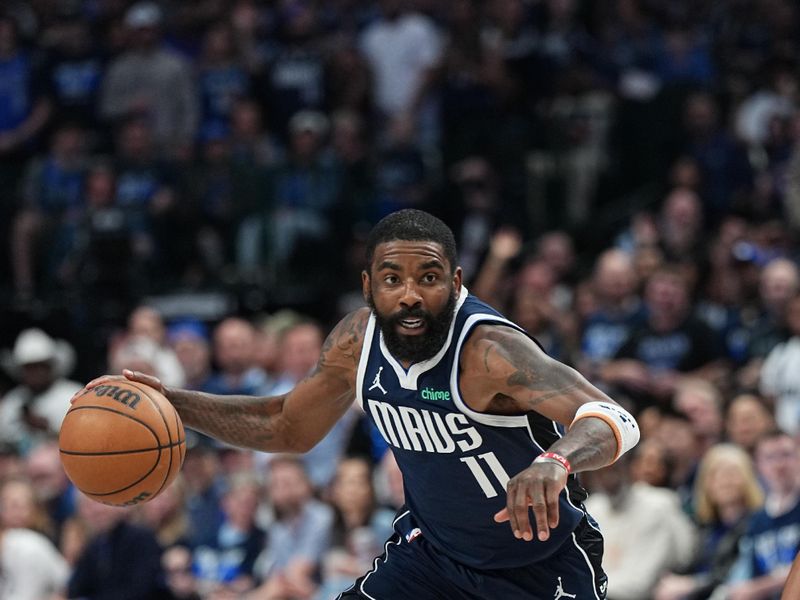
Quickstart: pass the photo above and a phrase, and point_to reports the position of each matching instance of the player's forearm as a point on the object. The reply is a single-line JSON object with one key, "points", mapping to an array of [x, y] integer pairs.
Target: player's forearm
{"points": [[246, 421], [589, 444]]}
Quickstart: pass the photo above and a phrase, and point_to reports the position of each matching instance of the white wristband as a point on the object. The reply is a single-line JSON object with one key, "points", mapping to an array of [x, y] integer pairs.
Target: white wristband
{"points": [[622, 423]]}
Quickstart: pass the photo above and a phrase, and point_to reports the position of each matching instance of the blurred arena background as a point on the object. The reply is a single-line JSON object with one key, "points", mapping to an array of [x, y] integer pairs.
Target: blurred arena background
{"points": [[186, 186]]}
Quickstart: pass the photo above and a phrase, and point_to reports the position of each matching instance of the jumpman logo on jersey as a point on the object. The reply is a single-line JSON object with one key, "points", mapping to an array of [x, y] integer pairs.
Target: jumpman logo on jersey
{"points": [[560, 593], [376, 383]]}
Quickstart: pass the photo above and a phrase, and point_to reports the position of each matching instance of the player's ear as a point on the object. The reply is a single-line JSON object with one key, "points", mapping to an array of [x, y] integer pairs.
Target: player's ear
{"points": [[457, 280], [365, 285]]}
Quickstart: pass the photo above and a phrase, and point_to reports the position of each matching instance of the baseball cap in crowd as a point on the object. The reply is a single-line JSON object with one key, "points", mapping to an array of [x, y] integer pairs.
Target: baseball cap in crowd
{"points": [[187, 328], [143, 14]]}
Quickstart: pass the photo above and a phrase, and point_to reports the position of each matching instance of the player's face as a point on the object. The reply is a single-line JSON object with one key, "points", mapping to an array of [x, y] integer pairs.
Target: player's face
{"points": [[413, 294]]}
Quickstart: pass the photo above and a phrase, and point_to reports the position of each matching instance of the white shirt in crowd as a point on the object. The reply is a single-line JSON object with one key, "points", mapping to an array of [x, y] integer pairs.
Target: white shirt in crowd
{"points": [[780, 379], [30, 566]]}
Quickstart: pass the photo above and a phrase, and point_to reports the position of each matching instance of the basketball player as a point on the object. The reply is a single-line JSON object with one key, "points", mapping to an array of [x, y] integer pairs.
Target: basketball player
{"points": [[483, 424]]}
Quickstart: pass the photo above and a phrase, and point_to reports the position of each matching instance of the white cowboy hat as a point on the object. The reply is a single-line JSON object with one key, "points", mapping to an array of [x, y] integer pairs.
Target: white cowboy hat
{"points": [[35, 346]]}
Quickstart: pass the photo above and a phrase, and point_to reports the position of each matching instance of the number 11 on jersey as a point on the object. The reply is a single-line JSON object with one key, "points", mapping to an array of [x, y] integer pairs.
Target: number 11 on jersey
{"points": [[478, 471]]}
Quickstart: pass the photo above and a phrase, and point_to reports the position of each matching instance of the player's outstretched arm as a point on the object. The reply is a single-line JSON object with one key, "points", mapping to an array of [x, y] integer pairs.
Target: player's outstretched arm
{"points": [[505, 371], [292, 422]]}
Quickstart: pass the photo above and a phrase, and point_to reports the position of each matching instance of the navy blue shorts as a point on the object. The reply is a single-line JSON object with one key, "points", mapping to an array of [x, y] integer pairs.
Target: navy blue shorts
{"points": [[415, 570]]}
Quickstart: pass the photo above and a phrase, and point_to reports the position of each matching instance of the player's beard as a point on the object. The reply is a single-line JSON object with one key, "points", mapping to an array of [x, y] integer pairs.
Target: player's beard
{"points": [[415, 348]]}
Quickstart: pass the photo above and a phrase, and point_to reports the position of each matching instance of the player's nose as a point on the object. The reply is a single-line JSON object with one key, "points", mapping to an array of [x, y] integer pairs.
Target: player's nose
{"points": [[411, 296]]}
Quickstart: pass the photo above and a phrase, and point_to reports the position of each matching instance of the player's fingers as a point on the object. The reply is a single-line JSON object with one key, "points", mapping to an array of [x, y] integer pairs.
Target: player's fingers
{"points": [[92, 384], [511, 503], [540, 511], [522, 500], [501, 516], [552, 493], [150, 380]]}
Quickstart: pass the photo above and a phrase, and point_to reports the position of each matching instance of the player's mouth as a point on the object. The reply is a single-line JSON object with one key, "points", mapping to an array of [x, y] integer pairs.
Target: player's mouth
{"points": [[411, 326]]}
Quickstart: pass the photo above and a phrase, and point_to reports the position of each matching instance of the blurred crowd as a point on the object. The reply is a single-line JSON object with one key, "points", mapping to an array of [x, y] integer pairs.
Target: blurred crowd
{"points": [[187, 186]]}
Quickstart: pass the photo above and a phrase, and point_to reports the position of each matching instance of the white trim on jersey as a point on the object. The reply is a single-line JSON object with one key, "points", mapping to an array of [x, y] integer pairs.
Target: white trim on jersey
{"points": [[385, 555], [485, 419], [364, 359], [408, 379], [588, 563]]}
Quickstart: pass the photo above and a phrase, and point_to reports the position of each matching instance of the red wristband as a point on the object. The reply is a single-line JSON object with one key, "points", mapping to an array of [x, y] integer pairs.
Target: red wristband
{"points": [[552, 456]]}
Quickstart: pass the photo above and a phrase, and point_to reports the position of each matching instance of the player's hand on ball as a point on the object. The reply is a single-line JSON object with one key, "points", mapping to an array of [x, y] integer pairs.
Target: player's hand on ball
{"points": [[539, 487], [127, 375]]}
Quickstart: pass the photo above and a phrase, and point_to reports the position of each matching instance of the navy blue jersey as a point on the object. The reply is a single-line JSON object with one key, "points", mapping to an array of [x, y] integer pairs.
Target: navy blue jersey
{"points": [[456, 462]]}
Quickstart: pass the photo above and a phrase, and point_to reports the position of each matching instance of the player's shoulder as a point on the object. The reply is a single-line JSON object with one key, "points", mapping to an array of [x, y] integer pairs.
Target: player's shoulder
{"points": [[346, 339], [494, 333]]}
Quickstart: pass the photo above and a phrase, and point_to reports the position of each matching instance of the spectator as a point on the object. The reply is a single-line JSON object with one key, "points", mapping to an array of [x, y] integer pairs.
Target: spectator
{"points": [[25, 107], [726, 173], [226, 565], [680, 227], [152, 82], [701, 402], [401, 47], [646, 533], [177, 564], [234, 354], [299, 535], [294, 77], [778, 282], [251, 143], [670, 346], [359, 527], [21, 509], [34, 409], [619, 310], [304, 190], [652, 463], [53, 490], [772, 536], [143, 354], [204, 489], [778, 381], [108, 236], [166, 516], [222, 78], [727, 493], [747, 419], [105, 568], [676, 433], [53, 206], [74, 74], [32, 567], [145, 192], [146, 322], [210, 208], [11, 463], [190, 341]]}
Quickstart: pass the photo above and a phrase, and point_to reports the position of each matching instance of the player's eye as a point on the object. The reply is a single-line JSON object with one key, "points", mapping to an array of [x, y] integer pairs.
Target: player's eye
{"points": [[430, 277], [391, 279]]}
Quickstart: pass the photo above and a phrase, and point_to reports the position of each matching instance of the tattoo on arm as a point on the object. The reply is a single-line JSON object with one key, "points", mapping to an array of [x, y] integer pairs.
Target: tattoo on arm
{"points": [[344, 340], [537, 373], [239, 420], [262, 423], [587, 445]]}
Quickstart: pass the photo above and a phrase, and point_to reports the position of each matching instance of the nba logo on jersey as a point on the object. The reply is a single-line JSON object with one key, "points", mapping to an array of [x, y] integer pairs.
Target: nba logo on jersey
{"points": [[413, 534]]}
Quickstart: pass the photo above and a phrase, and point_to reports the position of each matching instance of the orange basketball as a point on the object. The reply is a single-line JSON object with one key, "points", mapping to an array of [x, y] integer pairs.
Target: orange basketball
{"points": [[122, 443]]}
